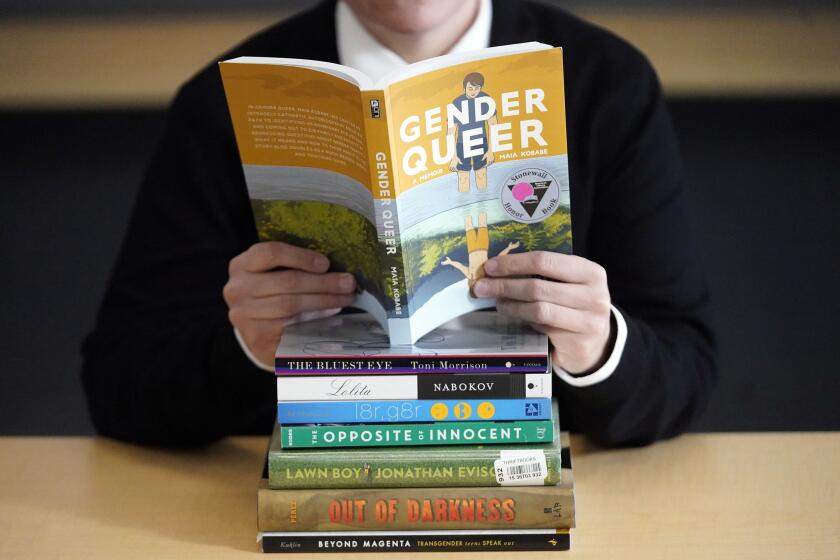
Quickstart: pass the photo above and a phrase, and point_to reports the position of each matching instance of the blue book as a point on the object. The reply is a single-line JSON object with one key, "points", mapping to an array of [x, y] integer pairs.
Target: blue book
{"points": [[371, 412]]}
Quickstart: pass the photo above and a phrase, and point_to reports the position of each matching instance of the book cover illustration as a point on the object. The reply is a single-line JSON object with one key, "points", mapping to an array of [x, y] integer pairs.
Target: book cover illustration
{"points": [[486, 342], [413, 183]]}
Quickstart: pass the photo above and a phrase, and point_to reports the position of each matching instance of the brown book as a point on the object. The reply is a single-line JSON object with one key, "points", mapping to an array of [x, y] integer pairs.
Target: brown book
{"points": [[390, 509]]}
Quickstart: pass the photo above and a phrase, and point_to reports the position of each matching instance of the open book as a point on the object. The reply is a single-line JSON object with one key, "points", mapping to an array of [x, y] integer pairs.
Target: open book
{"points": [[413, 182]]}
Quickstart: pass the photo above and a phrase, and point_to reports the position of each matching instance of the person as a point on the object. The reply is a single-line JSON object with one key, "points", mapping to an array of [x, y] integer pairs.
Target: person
{"points": [[478, 243], [461, 164], [195, 305]]}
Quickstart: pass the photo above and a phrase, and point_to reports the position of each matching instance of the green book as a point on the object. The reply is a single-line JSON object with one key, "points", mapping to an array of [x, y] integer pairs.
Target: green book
{"points": [[429, 433], [417, 467], [300, 511]]}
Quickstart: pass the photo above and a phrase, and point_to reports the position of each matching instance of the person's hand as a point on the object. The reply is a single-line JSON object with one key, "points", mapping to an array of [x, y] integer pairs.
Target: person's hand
{"points": [[489, 157], [453, 165], [262, 300], [447, 261], [570, 303]]}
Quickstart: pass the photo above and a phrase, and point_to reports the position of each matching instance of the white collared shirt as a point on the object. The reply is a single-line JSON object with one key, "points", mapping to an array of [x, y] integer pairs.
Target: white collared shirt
{"points": [[360, 50]]}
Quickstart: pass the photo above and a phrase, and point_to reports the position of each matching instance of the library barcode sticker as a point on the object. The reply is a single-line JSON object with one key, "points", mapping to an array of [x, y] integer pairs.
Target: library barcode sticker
{"points": [[521, 468]]}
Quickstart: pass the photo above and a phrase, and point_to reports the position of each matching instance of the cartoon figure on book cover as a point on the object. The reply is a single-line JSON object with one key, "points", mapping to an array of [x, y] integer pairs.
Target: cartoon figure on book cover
{"points": [[472, 150], [478, 243]]}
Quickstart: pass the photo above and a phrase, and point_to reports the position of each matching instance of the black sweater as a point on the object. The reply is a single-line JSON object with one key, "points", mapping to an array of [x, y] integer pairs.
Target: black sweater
{"points": [[163, 367]]}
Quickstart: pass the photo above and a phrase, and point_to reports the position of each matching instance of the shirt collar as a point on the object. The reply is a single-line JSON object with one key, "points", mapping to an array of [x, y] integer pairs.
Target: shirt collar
{"points": [[360, 50]]}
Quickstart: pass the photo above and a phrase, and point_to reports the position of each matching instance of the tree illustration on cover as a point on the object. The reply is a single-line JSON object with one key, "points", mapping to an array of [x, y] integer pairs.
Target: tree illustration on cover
{"points": [[471, 128], [478, 242]]}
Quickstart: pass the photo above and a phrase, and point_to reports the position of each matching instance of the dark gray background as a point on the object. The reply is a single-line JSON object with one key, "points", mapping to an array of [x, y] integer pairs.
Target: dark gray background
{"points": [[52, 8], [764, 180]]}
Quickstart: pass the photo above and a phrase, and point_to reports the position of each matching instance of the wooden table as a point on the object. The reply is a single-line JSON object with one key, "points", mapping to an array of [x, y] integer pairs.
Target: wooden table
{"points": [[716, 496]]}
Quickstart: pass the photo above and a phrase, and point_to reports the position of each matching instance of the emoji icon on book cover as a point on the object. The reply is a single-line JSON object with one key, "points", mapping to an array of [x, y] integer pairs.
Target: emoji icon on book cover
{"points": [[485, 410], [472, 149], [439, 411], [462, 411], [478, 244]]}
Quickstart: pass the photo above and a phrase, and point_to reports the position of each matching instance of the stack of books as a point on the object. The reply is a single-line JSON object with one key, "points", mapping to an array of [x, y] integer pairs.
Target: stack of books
{"points": [[450, 444], [416, 430]]}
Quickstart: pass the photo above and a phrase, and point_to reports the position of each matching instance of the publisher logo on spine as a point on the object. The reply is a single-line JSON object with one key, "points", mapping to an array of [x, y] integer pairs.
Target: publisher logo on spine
{"points": [[530, 195], [374, 108], [533, 409]]}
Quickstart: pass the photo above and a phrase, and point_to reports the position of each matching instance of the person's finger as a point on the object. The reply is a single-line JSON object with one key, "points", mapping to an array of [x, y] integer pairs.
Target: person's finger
{"points": [[313, 315], [259, 330], [570, 349], [269, 255], [247, 285], [265, 284], [548, 314], [557, 266], [286, 306], [575, 296], [261, 335]]}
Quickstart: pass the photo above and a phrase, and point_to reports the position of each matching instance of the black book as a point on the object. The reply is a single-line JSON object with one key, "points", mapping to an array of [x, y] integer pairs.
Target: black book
{"points": [[491, 540]]}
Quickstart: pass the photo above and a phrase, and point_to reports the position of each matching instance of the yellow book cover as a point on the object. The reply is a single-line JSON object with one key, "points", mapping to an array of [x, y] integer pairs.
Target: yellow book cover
{"points": [[410, 183]]}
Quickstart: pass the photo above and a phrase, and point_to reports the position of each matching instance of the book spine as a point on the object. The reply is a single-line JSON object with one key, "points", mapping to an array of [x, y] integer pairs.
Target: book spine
{"points": [[421, 468], [482, 386], [410, 411], [397, 435], [522, 507], [361, 365], [419, 541], [429, 386], [384, 199]]}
